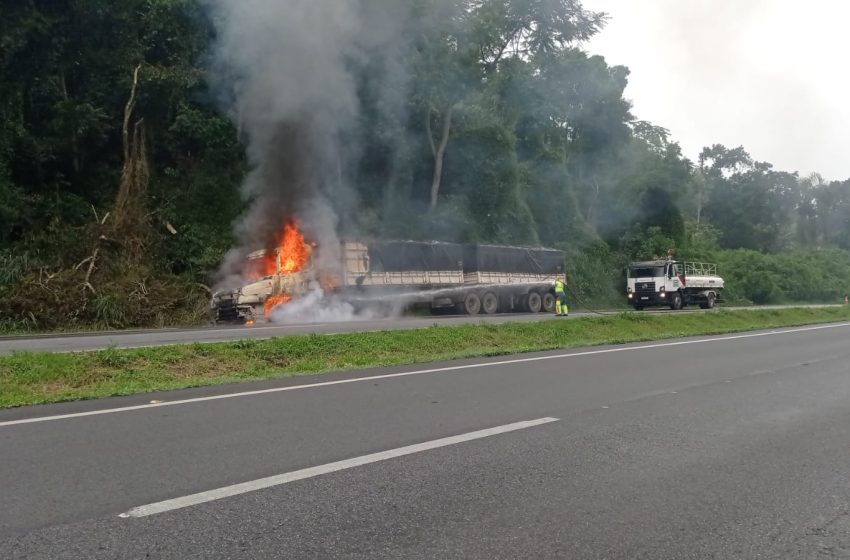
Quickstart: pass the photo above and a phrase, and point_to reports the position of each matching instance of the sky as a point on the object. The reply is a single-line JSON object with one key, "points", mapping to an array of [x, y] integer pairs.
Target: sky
{"points": [[771, 75]]}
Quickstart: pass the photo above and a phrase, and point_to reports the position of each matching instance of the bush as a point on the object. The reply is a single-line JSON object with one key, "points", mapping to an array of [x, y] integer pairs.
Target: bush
{"points": [[817, 276], [596, 277]]}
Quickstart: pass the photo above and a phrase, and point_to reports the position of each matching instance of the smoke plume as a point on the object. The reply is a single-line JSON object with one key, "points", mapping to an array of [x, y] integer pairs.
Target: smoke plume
{"points": [[284, 68]]}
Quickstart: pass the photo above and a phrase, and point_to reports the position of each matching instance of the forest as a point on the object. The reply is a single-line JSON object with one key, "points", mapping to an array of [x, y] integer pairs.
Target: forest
{"points": [[128, 151]]}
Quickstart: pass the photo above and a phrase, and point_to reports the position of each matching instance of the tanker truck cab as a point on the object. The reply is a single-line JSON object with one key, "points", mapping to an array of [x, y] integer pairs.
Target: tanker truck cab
{"points": [[672, 283], [647, 283]]}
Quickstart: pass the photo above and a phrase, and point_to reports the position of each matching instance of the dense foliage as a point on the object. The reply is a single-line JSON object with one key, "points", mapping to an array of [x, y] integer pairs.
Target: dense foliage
{"points": [[503, 129]]}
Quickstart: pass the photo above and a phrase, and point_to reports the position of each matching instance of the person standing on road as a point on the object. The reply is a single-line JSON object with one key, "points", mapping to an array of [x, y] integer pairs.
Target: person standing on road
{"points": [[561, 309]]}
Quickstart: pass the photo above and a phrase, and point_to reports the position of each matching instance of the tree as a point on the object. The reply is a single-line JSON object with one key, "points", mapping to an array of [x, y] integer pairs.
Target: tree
{"points": [[464, 42]]}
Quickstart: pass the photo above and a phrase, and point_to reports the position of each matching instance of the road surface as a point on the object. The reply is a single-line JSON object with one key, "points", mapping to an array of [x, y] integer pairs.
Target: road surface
{"points": [[164, 337], [720, 447], [224, 333]]}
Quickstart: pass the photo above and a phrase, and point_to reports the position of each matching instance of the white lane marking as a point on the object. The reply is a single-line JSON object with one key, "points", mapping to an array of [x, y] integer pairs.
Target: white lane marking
{"points": [[277, 480], [416, 372]]}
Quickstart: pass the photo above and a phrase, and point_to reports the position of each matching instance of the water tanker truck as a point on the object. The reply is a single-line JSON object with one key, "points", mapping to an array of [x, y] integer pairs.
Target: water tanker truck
{"points": [[464, 278], [673, 283]]}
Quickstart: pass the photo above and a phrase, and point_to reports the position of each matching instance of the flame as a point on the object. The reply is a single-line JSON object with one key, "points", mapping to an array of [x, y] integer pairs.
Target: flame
{"points": [[273, 302], [291, 249]]}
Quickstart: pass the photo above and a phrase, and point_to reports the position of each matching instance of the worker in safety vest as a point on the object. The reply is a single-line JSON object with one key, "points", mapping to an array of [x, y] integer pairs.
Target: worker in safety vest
{"points": [[561, 309]]}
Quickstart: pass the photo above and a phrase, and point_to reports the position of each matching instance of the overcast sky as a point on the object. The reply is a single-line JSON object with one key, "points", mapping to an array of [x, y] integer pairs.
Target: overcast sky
{"points": [[771, 75]]}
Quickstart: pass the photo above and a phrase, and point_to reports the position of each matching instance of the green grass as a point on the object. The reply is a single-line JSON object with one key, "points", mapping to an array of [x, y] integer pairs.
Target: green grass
{"points": [[32, 378]]}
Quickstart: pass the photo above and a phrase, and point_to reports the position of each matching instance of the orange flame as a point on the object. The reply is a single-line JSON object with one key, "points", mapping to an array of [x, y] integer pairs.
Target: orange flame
{"points": [[290, 249], [294, 251], [275, 301]]}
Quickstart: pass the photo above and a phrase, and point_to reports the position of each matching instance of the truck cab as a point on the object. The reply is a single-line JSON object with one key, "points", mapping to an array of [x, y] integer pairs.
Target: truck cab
{"points": [[672, 283], [268, 280]]}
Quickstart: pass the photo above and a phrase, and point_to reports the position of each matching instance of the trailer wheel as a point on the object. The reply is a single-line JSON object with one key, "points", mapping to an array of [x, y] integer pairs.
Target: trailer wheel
{"points": [[548, 302], [533, 302], [490, 303], [709, 302], [676, 301], [471, 304]]}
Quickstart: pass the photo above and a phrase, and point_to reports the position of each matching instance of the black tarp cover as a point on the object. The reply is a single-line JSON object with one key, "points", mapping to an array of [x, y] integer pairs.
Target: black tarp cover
{"points": [[497, 258], [403, 256]]}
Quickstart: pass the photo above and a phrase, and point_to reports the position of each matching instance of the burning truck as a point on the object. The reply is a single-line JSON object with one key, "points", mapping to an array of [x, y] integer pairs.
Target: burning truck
{"points": [[466, 278]]}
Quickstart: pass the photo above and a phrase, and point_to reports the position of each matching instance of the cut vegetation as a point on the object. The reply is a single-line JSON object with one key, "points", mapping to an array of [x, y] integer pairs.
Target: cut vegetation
{"points": [[33, 378]]}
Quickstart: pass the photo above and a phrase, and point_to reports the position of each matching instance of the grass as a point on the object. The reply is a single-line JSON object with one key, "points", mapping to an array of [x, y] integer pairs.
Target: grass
{"points": [[34, 378]]}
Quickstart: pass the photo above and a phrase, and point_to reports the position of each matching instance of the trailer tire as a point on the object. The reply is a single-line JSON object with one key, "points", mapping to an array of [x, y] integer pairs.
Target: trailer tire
{"points": [[676, 301], [533, 302], [471, 304], [490, 303], [709, 302], [548, 302]]}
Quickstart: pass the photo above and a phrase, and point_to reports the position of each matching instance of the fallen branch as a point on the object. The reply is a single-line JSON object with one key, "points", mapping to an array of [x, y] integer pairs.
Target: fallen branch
{"points": [[87, 281]]}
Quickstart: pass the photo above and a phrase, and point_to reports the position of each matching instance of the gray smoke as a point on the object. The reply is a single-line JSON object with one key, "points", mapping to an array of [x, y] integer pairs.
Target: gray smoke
{"points": [[284, 66], [318, 307]]}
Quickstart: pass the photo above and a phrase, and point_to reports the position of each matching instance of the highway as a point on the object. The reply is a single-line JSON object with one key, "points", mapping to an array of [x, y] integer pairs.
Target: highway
{"points": [[719, 447], [76, 342], [222, 333]]}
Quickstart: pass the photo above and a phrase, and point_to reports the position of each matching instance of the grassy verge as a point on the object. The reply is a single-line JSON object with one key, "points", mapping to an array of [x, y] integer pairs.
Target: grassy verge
{"points": [[31, 378]]}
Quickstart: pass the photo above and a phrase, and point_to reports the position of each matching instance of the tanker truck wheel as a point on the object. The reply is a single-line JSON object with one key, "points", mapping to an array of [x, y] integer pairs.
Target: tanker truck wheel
{"points": [[676, 301], [490, 303], [471, 304], [709, 302], [533, 302]]}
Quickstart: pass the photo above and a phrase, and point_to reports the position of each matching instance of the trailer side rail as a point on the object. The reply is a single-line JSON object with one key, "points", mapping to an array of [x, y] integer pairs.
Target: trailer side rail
{"points": [[700, 269], [508, 278]]}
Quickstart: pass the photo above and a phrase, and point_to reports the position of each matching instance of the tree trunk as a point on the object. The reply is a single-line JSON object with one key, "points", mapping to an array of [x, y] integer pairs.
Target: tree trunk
{"points": [[75, 152], [700, 194], [129, 224], [439, 151]]}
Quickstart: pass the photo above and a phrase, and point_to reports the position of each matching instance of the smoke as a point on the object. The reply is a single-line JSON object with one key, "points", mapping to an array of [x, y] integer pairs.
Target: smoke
{"points": [[284, 68], [317, 307]]}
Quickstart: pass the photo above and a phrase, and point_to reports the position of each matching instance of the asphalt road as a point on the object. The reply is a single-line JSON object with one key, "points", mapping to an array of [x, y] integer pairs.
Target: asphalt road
{"points": [[164, 337], [722, 447]]}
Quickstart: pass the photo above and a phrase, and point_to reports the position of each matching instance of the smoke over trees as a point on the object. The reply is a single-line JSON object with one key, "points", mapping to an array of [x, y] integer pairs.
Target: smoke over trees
{"points": [[464, 120]]}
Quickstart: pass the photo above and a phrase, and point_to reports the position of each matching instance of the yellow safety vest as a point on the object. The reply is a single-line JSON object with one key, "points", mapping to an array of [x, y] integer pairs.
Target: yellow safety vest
{"points": [[559, 286]]}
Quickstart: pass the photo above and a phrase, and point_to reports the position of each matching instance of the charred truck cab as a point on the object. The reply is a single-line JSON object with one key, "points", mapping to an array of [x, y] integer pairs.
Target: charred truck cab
{"points": [[673, 283], [252, 300]]}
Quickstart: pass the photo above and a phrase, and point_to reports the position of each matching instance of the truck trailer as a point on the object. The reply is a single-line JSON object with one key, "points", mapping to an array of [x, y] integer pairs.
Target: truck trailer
{"points": [[464, 278]]}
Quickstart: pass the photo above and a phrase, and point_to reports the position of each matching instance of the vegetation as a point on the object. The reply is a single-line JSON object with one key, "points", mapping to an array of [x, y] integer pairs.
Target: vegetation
{"points": [[120, 172], [28, 378]]}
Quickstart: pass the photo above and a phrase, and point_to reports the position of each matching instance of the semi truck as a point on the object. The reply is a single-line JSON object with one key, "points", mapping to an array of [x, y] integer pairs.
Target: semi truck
{"points": [[673, 283], [463, 278]]}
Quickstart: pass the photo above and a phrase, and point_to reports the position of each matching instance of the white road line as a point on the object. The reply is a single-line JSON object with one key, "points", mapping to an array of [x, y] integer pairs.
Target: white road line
{"points": [[277, 480], [417, 372]]}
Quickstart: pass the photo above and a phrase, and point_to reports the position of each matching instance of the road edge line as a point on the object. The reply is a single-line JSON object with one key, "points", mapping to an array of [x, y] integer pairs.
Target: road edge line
{"points": [[319, 384]]}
